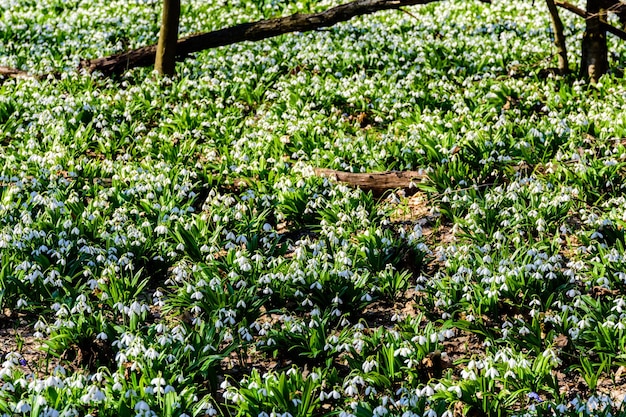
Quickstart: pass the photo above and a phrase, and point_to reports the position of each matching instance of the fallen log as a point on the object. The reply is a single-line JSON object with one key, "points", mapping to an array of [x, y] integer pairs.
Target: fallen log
{"points": [[8, 72], [253, 31], [377, 182]]}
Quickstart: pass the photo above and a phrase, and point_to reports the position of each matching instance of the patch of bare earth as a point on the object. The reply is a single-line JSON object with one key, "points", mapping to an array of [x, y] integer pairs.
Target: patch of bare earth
{"points": [[17, 336], [418, 209]]}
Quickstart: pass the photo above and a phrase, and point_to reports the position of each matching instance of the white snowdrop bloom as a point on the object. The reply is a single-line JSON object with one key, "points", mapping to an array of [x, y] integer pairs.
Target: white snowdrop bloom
{"points": [[468, 374], [430, 413], [368, 366], [151, 354], [142, 406], [93, 395], [49, 412], [593, 404], [22, 407], [421, 339], [161, 230], [158, 381], [427, 391], [456, 389], [380, 411], [403, 351], [492, 373]]}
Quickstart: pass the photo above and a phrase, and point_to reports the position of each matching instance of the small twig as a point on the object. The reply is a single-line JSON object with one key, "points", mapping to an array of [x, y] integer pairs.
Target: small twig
{"points": [[409, 13]]}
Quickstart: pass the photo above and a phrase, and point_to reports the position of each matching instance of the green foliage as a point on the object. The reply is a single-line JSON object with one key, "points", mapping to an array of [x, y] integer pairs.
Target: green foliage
{"points": [[172, 249]]}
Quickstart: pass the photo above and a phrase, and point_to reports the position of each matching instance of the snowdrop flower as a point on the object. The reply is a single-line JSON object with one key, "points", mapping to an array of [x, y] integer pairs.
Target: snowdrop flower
{"points": [[430, 413], [380, 411], [368, 366], [456, 389], [142, 406], [161, 230], [93, 395], [22, 407], [492, 373], [427, 391]]}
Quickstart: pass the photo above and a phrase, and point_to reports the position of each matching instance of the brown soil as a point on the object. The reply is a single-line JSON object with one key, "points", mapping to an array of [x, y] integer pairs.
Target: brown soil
{"points": [[17, 336]]}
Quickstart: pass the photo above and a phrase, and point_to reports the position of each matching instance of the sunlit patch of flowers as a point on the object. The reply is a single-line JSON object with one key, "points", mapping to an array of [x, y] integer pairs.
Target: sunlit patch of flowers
{"points": [[170, 247]]}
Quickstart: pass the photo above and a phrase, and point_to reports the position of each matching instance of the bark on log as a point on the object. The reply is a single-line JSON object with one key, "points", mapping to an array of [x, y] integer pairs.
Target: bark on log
{"points": [[254, 31], [377, 182], [8, 72]]}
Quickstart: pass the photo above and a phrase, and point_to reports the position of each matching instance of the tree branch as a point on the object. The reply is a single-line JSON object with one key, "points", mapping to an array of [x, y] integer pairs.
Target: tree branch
{"points": [[582, 13], [253, 31]]}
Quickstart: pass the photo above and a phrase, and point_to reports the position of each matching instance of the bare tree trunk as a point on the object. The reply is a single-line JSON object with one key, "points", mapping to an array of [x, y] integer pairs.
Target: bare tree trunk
{"points": [[165, 62], [594, 57], [559, 37]]}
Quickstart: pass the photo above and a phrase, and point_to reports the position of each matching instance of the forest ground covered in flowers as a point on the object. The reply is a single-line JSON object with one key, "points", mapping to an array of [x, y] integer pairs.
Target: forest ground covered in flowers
{"points": [[168, 250]]}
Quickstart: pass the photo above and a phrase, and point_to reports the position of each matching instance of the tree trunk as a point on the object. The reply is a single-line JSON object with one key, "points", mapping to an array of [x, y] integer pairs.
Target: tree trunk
{"points": [[559, 37], [594, 57], [165, 62]]}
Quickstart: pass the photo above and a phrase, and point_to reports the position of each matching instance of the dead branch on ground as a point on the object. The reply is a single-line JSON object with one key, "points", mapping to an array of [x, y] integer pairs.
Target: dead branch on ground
{"points": [[253, 31]]}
